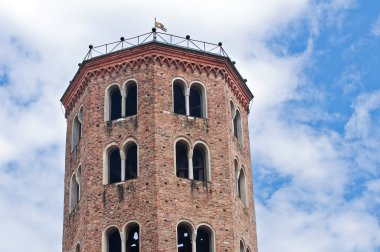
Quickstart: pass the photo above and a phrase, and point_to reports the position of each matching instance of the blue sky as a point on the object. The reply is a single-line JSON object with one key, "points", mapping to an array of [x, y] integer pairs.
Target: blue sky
{"points": [[313, 67]]}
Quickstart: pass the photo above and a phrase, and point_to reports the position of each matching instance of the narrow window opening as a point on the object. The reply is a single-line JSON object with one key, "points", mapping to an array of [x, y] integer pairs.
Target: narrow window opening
{"points": [[74, 193], [184, 235], [131, 162], [114, 166], [77, 249], [115, 104], [237, 127], [241, 246], [133, 240], [182, 161], [114, 241], [131, 100], [76, 132], [195, 101], [179, 99], [199, 164], [241, 186], [203, 240]]}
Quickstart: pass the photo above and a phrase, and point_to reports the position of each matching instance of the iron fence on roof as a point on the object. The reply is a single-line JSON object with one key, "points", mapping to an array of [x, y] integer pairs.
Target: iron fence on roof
{"points": [[165, 38]]}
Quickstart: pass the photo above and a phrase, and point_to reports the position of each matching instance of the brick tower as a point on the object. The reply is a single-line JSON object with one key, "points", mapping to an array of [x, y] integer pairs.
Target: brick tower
{"points": [[157, 149]]}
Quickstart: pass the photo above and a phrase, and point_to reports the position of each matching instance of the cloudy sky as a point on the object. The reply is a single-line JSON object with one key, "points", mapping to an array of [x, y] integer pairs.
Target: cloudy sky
{"points": [[313, 66]]}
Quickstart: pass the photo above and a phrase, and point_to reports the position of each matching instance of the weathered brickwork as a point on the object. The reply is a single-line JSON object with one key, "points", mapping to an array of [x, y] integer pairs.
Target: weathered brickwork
{"points": [[157, 199]]}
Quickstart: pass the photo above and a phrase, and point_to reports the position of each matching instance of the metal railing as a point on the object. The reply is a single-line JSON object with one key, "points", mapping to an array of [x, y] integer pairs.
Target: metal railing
{"points": [[161, 37]]}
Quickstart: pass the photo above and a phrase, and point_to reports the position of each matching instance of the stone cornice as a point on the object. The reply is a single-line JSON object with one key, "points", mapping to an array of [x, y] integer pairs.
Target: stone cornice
{"points": [[156, 53]]}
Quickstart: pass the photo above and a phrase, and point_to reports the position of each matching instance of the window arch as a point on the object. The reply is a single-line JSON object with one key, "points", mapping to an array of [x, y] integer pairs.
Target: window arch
{"points": [[182, 159], [74, 192], [179, 97], [185, 237], [77, 248], [201, 162], [197, 100], [111, 240], [248, 249], [76, 132], [132, 237], [205, 241], [241, 246], [236, 122], [112, 103], [241, 180], [130, 98], [112, 164], [131, 161]]}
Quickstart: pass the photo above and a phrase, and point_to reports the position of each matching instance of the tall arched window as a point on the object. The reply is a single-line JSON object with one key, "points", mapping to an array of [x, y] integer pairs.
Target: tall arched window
{"points": [[74, 192], [205, 240], [131, 99], [131, 162], [132, 233], [248, 249], [76, 132], [179, 100], [113, 240], [114, 165], [77, 248], [199, 164], [182, 160], [115, 103], [184, 238], [237, 126], [78, 177], [242, 186], [197, 101]]}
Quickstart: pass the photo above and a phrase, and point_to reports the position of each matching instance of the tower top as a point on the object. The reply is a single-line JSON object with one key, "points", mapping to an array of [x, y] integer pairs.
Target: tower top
{"points": [[160, 48]]}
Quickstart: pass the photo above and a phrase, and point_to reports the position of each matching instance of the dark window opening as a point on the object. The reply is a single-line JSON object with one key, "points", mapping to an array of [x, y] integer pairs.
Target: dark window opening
{"points": [[237, 126], [241, 246], [199, 164], [195, 102], [203, 240], [133, 240], [239, 185], [77, 249], [131, 162], [179, 100], [115, 104], [114, 166], [77, 192], [184, 243], [182, 161], [114, 241], [131, 101]]}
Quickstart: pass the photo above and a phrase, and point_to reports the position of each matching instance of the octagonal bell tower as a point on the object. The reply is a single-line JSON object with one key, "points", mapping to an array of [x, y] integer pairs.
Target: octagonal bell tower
{"points": [[157, 149]]}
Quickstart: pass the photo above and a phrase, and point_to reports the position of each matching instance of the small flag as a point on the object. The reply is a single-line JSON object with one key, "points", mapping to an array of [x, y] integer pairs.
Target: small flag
{"points": [[161, 26]]}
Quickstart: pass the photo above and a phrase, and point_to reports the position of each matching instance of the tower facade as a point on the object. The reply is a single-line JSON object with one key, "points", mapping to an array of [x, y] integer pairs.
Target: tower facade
{"points": [[157, 150]]}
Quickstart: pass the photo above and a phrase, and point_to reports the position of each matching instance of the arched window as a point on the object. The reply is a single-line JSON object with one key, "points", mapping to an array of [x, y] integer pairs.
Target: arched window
{"points": [[113, 240], [74, 192], [114, 103], [199, 164], [241, 246], [242, 186], [184, 238], [237, 126], [77, 248], [205, 239], [132, 233], [114, 165], [131, 99], [131, 161], [248, 249], [182, 160], [179, 100], [197, 101], [76, 132]]}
